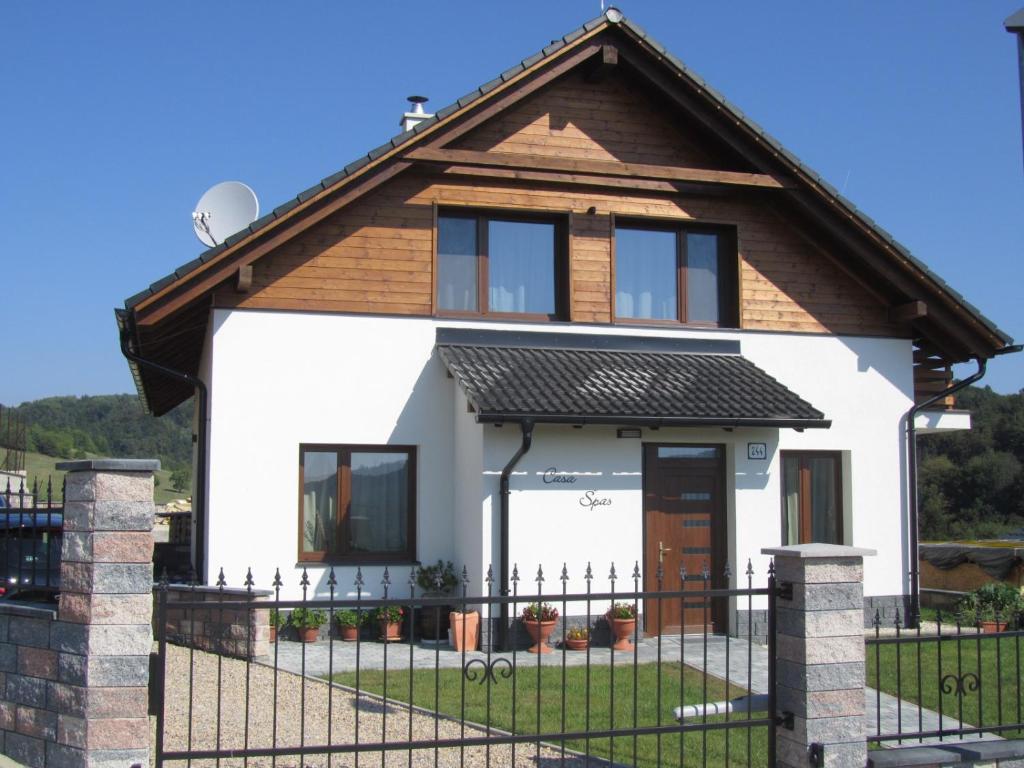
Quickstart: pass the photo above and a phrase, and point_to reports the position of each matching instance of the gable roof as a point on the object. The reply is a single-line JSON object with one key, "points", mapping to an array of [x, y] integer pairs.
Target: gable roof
{"points": [[178, 290]]}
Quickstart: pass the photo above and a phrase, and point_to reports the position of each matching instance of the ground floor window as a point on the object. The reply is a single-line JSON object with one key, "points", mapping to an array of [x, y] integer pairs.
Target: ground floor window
{"points": [[357, 503], [812, 497]]}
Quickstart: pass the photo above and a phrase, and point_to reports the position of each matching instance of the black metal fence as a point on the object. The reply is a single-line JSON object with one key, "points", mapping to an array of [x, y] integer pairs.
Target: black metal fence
{"points": [[403, 695], [31, 531], [946, 677]]}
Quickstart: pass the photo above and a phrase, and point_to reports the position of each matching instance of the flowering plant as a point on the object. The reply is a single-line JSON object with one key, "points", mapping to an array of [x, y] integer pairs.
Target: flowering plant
{"points": [[540, 612], [622, 611], [389, 613]]}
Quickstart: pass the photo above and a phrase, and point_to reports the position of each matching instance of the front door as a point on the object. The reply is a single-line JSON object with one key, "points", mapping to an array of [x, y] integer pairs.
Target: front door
{"points": [[684, 525]]}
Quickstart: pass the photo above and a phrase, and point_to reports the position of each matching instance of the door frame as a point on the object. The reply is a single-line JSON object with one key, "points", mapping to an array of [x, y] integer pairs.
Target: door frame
{"points": [[719, 532]]}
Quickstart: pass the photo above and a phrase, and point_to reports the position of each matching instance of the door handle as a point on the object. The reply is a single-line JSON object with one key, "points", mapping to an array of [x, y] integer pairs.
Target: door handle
{"points": [[662, 549]]}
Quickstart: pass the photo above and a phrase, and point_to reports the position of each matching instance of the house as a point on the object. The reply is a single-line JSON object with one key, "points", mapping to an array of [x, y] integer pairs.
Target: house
{"points": [[588, 314]]}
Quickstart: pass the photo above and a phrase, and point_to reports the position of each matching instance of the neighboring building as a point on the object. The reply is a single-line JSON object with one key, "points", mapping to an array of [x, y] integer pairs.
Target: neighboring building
{"points": [[593, 275]]}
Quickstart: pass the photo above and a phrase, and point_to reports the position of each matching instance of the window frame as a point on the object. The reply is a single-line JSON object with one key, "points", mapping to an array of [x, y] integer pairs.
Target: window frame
{"points": [[344, 453], [482, 216], [804, 513], [728, 270]]}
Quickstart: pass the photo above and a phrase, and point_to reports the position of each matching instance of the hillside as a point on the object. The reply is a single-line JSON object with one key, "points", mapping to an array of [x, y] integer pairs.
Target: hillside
{"points": [[972, 483], [108, 425]]}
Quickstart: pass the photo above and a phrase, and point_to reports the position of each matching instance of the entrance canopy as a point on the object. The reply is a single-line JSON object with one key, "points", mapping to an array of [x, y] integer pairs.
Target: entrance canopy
{"points": [[569, 378]]}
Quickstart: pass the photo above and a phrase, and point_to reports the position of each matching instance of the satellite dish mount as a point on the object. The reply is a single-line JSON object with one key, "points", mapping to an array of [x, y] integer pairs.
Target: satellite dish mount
{"points": [[223, 210]]}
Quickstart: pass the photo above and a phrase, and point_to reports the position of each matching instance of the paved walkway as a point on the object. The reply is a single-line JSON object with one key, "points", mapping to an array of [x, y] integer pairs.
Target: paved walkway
{"points": [[725, 658]]}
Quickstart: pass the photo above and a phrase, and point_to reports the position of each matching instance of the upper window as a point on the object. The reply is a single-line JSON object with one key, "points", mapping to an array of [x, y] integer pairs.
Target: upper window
{"points": [[358, 503], [490, 264], [675, 274], [812, 494]]}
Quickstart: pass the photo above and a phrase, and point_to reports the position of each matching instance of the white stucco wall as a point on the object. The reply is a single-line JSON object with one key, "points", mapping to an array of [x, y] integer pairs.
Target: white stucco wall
{"points": [[280, 379]]}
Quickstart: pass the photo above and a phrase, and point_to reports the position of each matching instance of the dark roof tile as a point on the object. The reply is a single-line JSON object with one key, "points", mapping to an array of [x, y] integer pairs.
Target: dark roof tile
{"points": [[511, 72], [615, 386], [184, 269], [313, 191], [355, 165], [282, 209]]}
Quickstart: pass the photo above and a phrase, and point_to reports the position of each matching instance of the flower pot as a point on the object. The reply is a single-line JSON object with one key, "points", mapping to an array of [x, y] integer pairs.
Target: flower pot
{"points": [[390, 631], [349, 634], [465, 630], [622, 631], [539, 631], [576, 643], [309, 634], [990, 626], [273, 633], [434, 622]]}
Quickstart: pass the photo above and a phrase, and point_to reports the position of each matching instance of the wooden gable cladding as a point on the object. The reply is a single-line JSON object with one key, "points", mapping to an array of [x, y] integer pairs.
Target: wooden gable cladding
{"points": [[608, 120], [377, 255]]}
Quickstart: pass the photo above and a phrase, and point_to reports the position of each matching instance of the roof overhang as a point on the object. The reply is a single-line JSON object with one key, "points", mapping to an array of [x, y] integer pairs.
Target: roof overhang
{"points": [[568, 378]]}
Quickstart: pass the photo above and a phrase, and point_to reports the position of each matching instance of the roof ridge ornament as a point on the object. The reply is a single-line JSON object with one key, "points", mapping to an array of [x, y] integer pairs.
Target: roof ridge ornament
{"points": [[613, 14]]}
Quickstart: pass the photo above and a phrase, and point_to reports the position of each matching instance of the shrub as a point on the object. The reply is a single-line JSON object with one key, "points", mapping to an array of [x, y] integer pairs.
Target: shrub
{"points": [[540, 612], [278, 619], [990, 599], [350, 618], [622, 611], [307, 618], [430, 576], [389, 613]]}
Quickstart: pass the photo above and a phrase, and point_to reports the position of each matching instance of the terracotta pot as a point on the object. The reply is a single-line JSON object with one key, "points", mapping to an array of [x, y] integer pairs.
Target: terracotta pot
{"points": [[465, 630], [991, 626], [309, 634], [390, 631], [576, 643], [622, 630], [273, 633], [539, 632], [349, 634]]}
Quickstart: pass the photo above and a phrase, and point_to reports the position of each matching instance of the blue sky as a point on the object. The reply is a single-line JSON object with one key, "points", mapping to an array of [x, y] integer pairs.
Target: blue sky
{"points": [[117, 116]]}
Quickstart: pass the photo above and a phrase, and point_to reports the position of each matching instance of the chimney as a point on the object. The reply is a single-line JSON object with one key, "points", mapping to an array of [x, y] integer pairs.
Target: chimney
{"points": [[415, 115]]}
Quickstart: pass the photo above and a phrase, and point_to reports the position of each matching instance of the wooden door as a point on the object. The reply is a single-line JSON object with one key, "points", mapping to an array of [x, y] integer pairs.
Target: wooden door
{"points": [[684, 524]]}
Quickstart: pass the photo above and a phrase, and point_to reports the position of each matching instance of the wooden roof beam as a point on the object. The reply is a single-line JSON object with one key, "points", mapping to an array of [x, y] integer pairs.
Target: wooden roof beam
{"points": [[605, 64], [905, 313], [610, 168]]}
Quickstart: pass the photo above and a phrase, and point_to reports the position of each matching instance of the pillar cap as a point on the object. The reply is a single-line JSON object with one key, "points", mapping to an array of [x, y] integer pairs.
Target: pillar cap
{"points": [[808, 551], [110, 465]]}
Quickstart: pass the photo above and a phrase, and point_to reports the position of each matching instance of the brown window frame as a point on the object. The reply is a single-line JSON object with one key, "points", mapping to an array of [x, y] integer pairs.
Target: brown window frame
{"points": [[482, 217], [804, 514], [344, 453], [728, 271]]}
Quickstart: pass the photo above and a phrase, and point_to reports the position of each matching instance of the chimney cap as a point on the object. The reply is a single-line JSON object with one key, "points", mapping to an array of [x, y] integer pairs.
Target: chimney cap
{"points": [[417, 103]]}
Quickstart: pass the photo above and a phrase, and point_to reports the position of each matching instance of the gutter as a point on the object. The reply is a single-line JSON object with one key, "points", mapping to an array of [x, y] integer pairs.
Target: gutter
{"points": [[913, 502], [126, 321], [653, 422], [526, 425]]}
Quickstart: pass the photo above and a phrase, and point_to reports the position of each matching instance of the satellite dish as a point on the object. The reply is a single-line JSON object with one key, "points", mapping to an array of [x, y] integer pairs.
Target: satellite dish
{"points": [[223, 210]]}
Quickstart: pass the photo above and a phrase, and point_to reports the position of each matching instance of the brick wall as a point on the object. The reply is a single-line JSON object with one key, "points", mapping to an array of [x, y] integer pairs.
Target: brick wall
{"points": [[74, 680], [242, 633]]}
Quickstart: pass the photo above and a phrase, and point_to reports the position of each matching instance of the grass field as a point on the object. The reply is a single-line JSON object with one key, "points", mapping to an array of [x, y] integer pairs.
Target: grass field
{"points": [[995, 664], [40, 468], [584, 705]]}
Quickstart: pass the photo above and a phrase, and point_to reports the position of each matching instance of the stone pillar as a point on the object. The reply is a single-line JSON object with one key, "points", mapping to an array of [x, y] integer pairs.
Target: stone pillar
{"points": [[820, 654], [103, 635]]}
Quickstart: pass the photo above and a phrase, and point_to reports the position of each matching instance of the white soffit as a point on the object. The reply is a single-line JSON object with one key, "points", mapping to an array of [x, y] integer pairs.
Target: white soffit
{"points": [[931, 422]]}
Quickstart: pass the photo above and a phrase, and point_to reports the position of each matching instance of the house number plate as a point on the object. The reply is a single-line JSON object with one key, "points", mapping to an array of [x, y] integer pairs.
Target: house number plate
{"points": [[757, 450]]}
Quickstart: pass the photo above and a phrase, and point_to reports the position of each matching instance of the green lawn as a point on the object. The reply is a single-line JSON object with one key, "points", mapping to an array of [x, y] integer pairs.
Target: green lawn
{"points": [[460, 697], [1000, 662], [41, 467]]}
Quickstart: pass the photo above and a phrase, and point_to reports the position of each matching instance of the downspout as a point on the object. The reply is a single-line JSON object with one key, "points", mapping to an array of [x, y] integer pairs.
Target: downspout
{"points": [[915, 555], [199, 498], [527, 429]]}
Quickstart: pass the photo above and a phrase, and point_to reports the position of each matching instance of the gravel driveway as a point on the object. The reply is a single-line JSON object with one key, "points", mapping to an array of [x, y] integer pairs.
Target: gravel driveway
{"points": [[290, 731]]}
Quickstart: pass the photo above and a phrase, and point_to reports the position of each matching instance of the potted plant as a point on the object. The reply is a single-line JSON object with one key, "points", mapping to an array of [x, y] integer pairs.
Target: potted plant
{"points": [[389, 619], [622, 618], [436, 581], [307, 622], [278, 621], [539, 619], [577, 639], [349, 621], [464, 631], [991, 606]]}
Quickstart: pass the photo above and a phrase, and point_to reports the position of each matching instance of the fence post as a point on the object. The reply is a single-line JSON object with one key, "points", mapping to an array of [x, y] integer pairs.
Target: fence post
{"points": [[105, 614], [820, 655]]}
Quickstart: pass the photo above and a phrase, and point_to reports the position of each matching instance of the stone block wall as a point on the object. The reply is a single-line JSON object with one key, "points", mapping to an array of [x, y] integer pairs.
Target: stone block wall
{"points": [[243, 633], [74, 681]]}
